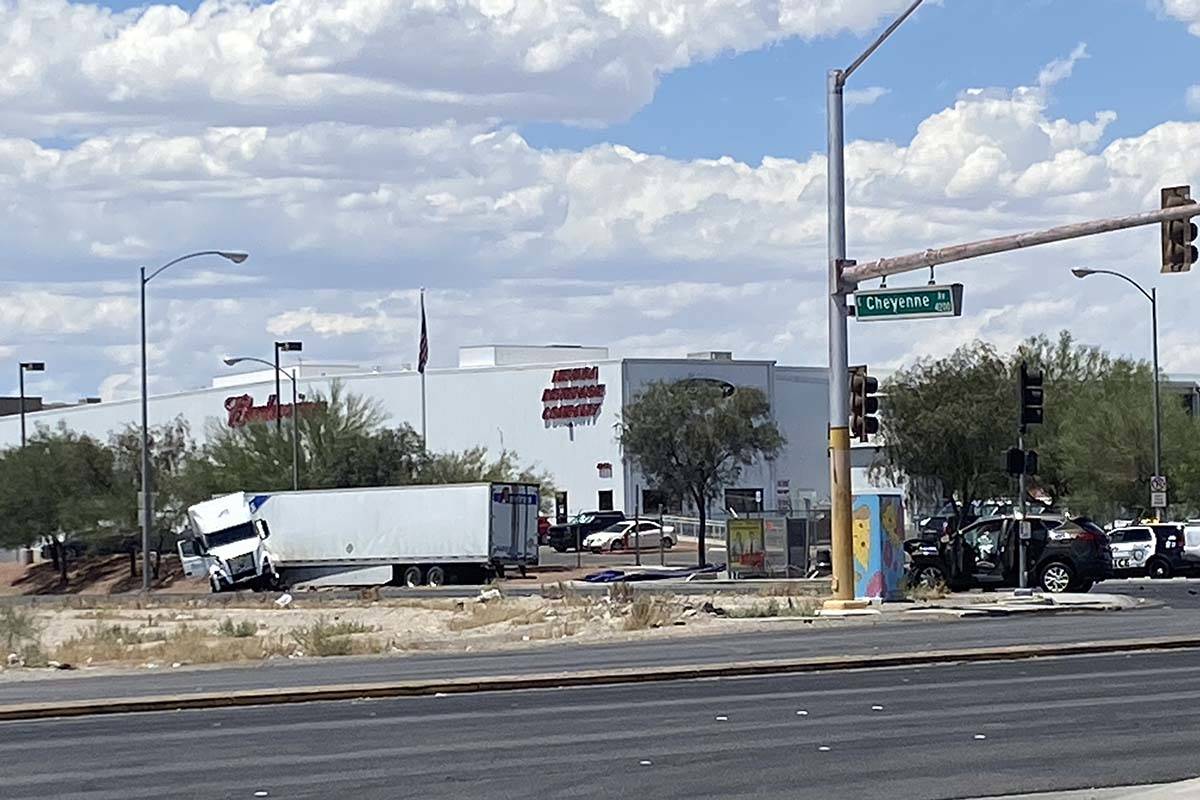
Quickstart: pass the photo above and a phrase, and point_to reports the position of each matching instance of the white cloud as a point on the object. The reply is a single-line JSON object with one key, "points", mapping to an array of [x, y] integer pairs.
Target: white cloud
{"points": [[864, 97], [1185, 10], [408, 62], [649, 254], [1060, 69]]}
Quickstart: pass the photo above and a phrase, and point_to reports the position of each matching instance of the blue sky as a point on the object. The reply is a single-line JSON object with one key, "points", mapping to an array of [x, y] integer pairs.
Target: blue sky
{"points": [[771, 101]]}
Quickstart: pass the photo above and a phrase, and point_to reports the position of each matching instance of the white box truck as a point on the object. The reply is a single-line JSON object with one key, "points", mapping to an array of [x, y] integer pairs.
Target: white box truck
{"points": [[406, 535]]}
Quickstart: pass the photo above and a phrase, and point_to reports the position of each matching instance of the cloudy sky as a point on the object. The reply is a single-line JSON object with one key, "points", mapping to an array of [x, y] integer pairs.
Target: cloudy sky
{"points": [[645, 174]]}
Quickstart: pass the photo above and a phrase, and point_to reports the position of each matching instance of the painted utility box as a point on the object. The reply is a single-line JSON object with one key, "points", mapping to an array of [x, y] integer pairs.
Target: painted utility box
{"points": [[878, 545]]}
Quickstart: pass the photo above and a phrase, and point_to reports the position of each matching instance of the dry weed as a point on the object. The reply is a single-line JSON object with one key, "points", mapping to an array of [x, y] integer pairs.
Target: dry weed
{"points": [[496, 612]]}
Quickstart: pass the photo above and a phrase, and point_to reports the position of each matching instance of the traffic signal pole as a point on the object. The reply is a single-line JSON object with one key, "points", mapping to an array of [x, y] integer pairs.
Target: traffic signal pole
{"points": [[845, 275], [839, 359], [839, 362], [1023, 581]]}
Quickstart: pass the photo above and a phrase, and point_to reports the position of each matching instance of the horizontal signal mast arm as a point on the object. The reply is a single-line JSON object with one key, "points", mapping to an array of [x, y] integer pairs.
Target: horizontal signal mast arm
{"points": [[1003, 244]]}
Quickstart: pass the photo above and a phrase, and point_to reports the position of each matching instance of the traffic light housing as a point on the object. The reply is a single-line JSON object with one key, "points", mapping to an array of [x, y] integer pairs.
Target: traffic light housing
{"points": [[1032, 397], [1178, 235], [863, 403], [1020, 462]]}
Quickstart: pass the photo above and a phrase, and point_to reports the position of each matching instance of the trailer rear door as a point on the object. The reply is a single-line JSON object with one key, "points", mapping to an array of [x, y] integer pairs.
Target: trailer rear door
{"points": [[514, 523]]}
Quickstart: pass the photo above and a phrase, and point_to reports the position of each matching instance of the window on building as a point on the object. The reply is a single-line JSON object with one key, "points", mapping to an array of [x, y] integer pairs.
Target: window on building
{"points": [[744, 501], [604, 500]]}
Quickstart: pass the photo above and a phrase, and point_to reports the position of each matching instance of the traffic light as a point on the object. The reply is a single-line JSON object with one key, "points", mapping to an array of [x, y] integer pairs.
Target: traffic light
{"points": [[1178, 252], [1031, 396], [863, 403], [1020, 462]]}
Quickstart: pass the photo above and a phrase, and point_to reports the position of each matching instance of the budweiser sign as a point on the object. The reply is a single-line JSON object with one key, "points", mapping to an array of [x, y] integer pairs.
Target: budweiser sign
{"points": [[574, 396], [242, 411]]}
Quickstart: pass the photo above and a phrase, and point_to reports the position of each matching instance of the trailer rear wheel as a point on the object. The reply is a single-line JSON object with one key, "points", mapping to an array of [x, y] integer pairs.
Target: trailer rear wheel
{"points": [[412, 577], [436, 576]]}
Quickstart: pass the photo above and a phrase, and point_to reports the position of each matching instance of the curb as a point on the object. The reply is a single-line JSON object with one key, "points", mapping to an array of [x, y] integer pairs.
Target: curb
{"points": [[510, 683]]}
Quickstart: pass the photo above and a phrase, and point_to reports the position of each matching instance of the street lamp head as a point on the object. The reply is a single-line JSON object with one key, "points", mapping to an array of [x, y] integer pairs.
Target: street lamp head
{"points": [[229, 362], [1080, 272], [33, 366], [235, 257]]}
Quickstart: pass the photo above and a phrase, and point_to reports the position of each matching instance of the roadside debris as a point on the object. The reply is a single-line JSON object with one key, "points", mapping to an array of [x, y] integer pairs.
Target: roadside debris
{"points": [[284, 600]]}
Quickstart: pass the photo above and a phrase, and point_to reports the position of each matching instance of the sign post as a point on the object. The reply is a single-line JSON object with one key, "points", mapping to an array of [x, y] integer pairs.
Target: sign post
{"points": [[917, 302]]}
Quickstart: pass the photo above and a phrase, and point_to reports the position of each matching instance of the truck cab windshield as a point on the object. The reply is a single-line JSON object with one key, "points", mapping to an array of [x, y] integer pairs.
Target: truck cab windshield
{"points": [[230, 535]]}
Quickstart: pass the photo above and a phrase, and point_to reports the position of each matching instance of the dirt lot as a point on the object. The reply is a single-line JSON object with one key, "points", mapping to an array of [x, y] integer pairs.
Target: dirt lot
{"points": [[153, 635], [112, 575], [93, 575]]}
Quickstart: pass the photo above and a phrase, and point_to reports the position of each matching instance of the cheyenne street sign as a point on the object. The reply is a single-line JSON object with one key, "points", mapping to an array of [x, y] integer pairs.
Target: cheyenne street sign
{"points": [[908, 303]]}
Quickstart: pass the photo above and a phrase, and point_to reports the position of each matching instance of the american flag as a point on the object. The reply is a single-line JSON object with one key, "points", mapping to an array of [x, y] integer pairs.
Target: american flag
{"points": [[423, 356]]}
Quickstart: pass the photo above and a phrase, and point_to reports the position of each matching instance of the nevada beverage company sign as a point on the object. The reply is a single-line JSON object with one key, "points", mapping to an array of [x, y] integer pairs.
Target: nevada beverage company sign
{"points": [[574, 397]]}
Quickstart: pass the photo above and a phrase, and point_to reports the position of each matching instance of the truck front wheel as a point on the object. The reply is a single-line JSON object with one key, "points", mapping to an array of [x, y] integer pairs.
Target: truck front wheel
{"points": [[214, 583], [436, 576]]}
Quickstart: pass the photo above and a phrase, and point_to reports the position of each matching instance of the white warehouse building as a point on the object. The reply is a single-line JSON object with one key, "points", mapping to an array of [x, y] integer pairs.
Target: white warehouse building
{"points": [[556, 407]]}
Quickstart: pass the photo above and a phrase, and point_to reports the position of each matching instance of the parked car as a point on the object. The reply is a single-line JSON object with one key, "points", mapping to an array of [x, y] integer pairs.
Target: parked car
{"points": [[628, 535], [571, 534], [1061, 555], [543, 530]]}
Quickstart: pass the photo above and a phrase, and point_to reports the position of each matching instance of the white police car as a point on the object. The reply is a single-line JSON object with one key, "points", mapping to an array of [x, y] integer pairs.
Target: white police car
{"points": [[1131, 547]]}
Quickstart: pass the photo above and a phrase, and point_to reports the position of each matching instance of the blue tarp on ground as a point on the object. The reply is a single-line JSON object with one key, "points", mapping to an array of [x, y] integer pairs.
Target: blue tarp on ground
{"points": [[662, 574]]}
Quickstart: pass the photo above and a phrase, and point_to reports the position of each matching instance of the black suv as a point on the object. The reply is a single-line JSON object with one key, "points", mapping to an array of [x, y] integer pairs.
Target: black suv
{"points": [[1061, 556], [571, 535]]}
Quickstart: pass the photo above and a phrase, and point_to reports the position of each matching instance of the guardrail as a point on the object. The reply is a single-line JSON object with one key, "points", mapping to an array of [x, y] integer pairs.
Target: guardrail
{"points": [[690, 526]]}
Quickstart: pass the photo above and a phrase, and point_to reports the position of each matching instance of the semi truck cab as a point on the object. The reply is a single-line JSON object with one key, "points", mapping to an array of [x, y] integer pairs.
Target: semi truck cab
{"points": [[227, 545]]}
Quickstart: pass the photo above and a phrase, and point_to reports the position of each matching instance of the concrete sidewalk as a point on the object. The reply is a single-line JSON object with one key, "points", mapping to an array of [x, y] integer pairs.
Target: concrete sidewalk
{"points": [[1162, 791], [986, 604]]}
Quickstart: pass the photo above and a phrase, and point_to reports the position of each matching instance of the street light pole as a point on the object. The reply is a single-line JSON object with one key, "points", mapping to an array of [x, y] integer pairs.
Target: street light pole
{"points": [[147, 505], [229, 362], [1152, 296], [839, 362], [22, 368]]}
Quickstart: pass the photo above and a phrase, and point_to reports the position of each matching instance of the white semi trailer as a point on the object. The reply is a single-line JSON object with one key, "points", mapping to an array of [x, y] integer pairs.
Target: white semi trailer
{"points": [[406, 535]]}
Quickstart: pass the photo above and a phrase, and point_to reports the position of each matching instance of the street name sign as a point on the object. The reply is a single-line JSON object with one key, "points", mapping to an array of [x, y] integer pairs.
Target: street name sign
{"points": [[916, 302]]}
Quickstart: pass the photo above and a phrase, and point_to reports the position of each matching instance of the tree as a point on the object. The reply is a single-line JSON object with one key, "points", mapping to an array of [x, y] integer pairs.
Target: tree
{"points": [[60, 485], [472, 466], [946, 422], [342, 444], [388, 457], [173, 456], [691, 438], [256, 457]]}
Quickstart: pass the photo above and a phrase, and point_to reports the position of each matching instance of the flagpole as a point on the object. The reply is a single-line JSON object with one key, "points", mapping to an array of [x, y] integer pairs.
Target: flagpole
{"points": [[421, 358]]}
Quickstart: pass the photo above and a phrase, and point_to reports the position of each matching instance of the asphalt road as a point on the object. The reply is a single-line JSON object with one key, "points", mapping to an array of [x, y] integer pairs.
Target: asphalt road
{"points": [[1176, 593], [922, 733], [785, 639]]}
